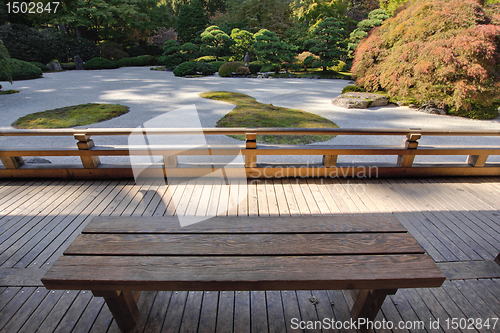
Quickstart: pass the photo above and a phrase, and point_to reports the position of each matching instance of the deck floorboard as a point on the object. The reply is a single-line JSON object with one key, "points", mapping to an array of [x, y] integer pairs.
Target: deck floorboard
{"points": [[456, 220]]}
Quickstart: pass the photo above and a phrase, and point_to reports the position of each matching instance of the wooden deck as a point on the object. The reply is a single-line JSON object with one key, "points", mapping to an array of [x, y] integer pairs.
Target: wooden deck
{"points": [[456, 220]]}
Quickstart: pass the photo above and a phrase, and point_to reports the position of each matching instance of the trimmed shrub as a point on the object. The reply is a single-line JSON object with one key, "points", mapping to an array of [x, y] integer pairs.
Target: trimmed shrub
{"points": [[242, 70], [144, 60], [339, 67], [22, 70], [352, 88], [194, 68], [39, 65], [112, 50], [206, 59], [101, 63], [442, 50], [229, 67], [186, 68], [205, 69], [217, 64], [255, 67]]}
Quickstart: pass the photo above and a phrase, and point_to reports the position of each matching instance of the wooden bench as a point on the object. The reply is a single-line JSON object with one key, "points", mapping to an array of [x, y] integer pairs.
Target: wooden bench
{"points": [[115, 256]]}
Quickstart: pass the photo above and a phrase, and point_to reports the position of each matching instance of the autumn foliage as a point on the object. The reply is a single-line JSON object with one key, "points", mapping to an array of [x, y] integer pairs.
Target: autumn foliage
{"points": [[440, 50]]}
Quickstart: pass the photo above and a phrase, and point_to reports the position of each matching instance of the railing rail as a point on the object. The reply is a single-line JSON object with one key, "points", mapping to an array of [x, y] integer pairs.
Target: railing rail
{"points": [[91, 166]]}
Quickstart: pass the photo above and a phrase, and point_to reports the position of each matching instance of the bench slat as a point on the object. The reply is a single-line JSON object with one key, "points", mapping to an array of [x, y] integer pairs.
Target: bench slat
{"points": [[234, 245], [243, 273], [306, 224]]}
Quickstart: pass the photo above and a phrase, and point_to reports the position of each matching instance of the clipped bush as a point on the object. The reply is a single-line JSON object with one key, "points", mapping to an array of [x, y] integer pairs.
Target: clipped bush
{"points": [[242, 70], [112, 50], [229, 67], [339, 67], [352, 88], [206, 59], [101, 63], [205, 69], [306, 58], [39, 65], [22, 70], [216, 64], [186, 68], [255, 67], [144, 60], [443, 50]]}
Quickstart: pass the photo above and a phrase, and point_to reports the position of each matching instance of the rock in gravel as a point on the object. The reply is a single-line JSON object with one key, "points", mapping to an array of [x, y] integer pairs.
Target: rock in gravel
{"points": [[360, 100]]}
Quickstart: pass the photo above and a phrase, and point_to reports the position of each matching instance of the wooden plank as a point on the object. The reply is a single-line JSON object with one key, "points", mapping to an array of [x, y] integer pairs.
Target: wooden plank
{"points": [[156, 312], [242, 321], [460, 301], [89, 315], [57, 312], [175, 312], [324, 308], [192, 311], [476, 299], [418, 305], [290, 308], [435, 308], [42, 311], [299, 197], [14, 305], [73, 313], [275, 313], [272, 201], [309, 198], [293, 206], [208, 314], [335, 223], [214, 198], [307, 309], [258, 312], [243, 244], [26, 277], [166, 198], [225, 310], [464, 270], [223, 199], [242, 197], [262, 198], [243, 273], [340, 308]]}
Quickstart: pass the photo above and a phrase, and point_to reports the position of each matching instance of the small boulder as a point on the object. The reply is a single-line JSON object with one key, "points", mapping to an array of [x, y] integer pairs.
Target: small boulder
{"points": [[432, 108], [79, 64], [35, 160], [360, 100], [54, 66]]}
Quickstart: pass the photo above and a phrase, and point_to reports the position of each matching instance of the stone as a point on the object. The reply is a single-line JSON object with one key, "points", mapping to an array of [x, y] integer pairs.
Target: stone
{"points": [[54, 66], [265, 75], [35, 160], [360, 100], [79, 64], [432, 108], [260, 76]]}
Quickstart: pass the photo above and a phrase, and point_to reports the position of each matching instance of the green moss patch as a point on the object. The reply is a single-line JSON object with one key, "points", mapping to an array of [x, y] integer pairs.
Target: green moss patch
{"points": [[70, 116], [250, 113], [8, 92]]}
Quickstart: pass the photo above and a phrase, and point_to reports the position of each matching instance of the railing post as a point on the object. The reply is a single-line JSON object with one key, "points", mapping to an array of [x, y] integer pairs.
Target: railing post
{"points": [[406, 161], [12, 162], [170, 161], [86, 143], [251, 143], [330, 161], [477, 160]]}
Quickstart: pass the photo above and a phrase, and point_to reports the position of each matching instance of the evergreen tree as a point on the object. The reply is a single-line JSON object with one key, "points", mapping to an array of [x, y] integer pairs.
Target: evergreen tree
{"points": [[243, 43], [271, 50], [375, 19], [5, 67], [191, 21], [215, 41], [329, 42]]}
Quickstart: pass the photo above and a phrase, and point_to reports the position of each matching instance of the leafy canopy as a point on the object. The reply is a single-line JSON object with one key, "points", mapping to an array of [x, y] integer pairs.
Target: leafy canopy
{"points": [[271, 50], [215, 41]]}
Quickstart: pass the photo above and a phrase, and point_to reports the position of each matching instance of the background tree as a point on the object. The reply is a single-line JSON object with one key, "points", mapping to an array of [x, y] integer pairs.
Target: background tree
{"points": [[270, 50], [243, 43], [5, 66], [329, 42], [442, 50], [191, 21], [215, 41], [375, 19]]}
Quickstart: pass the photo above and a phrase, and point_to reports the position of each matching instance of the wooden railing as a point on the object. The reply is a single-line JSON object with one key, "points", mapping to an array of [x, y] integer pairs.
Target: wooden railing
{"points": [[475, 158]]}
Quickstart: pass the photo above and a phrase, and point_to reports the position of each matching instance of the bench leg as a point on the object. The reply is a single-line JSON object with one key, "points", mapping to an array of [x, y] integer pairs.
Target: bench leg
{"points": [[123, 307], [367, 303]]}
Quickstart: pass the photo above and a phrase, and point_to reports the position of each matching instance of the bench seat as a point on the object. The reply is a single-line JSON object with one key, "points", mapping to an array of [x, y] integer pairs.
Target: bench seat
{"points": [[115, 256]]}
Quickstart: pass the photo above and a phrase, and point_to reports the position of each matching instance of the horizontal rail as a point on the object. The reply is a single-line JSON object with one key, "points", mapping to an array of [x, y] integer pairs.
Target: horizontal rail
{"points": [[91, 167], [242, 131]]}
